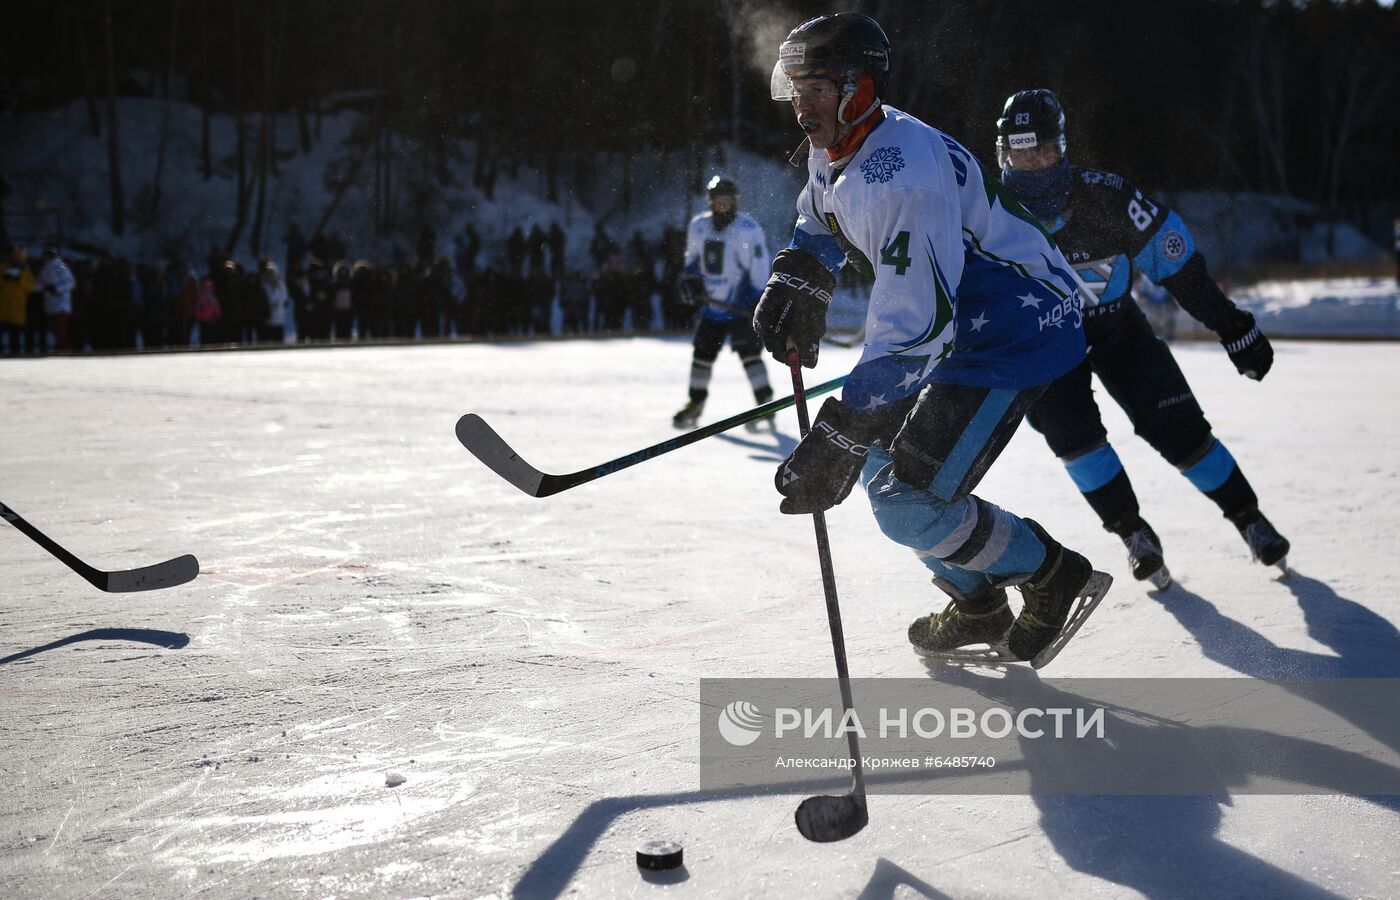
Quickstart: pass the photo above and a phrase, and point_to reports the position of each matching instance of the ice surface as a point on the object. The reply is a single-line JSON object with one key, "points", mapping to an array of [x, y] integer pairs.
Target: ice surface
{"points": [[375, 600]]}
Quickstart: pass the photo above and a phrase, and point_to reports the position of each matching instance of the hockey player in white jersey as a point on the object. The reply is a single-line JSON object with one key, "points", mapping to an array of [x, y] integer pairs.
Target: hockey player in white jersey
{"points": [[726, 264], [973, 311]]}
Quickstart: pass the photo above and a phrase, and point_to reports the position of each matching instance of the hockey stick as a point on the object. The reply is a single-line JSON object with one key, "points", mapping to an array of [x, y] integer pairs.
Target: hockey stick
{"points": [[488, 446], [148, 578], [825, 818]]}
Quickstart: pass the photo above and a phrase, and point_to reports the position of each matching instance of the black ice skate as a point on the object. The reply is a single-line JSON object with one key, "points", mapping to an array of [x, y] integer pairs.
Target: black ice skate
{"points": [[1145, 556], [1059, 596], [979, 618], [1265, 543], [689, 414], [760, 397]]}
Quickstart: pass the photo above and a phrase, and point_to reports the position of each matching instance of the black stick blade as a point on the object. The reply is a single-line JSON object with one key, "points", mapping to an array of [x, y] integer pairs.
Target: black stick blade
{"points": [[151, 578], [486, 445], [825, 819]]}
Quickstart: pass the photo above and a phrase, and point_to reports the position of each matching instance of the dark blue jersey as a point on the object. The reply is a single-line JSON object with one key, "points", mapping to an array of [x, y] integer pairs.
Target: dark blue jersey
{"points": [[1111, 232]]}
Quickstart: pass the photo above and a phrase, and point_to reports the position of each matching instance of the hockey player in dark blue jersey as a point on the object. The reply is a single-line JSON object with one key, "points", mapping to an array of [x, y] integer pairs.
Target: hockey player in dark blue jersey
{"points": [[971, 313], [1110, 232]]}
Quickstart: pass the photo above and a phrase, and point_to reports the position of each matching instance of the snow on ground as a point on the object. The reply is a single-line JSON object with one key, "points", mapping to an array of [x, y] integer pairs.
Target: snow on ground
{"points": [[375, 601], [1325, 307]]}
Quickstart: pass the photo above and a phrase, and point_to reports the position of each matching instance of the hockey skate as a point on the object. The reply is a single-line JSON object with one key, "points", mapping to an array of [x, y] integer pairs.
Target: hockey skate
{"points": [[1266, 545], [689, 414], [953, 633], [1145, 556], [1059, 597], [766, 423]]}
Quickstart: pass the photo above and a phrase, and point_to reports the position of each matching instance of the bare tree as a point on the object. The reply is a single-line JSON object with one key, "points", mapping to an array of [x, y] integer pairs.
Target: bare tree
{"points": [[80, 39], [153, 214], [242, 191], [265, 166], [1354, 85], [1261, 68], [206, 159], [113, 147]]}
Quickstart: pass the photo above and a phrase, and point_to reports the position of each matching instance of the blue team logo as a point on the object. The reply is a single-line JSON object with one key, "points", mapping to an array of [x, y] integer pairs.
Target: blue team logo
{"points": [[882, 165], [1173, 246]]}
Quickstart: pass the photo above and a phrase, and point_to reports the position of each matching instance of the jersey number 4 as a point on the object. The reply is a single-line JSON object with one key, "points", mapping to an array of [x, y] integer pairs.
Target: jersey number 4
{"points": [[896, 253]]}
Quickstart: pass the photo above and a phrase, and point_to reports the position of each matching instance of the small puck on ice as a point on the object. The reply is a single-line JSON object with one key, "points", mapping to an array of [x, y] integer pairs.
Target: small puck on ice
{"points": [[659, 855]]}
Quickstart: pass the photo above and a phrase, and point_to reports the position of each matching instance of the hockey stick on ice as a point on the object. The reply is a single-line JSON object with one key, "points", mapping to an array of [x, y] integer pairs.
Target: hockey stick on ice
{"points": [[148, 578], [488, 446], [825, 818]]}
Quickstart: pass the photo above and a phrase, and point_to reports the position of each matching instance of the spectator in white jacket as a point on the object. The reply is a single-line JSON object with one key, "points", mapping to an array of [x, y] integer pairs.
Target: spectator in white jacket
{"points": [[56, 283], [274, 288]]}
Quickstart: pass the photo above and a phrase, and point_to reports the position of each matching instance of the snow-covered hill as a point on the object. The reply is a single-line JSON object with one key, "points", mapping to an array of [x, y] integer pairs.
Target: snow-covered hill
{"points": [[54, 160]]}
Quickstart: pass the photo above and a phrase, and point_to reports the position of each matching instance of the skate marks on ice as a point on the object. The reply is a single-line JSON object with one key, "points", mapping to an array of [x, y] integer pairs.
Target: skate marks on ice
{"points": [[1161, 846], [623, 819], [170, 640], [276, 804]]}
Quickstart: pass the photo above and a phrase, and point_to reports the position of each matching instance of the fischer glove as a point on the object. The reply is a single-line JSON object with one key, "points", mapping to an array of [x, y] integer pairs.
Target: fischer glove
{"points": [[793, 306], [819, 472]]}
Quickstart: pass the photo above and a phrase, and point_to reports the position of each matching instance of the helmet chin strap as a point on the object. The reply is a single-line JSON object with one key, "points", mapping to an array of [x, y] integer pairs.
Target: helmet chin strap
{"points": [[851, 134], [845, 126], [858, 99]]}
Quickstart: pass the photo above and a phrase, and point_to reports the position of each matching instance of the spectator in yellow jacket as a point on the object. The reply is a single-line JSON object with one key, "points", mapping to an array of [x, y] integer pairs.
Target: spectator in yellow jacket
{"points": [[16, 284]]}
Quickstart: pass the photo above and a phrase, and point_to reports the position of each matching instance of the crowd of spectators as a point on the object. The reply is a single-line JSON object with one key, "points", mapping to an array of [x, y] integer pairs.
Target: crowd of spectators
{"points": [[77, 302]]}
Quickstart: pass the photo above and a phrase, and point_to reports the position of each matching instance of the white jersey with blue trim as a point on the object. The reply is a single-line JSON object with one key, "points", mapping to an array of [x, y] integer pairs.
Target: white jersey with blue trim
{"points": [[969, 289], [733, 260]]}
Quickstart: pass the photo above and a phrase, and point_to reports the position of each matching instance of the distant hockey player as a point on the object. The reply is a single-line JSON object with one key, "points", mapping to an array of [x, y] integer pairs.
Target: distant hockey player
{"points": [[726, 264], [1110, 231], [972, 312]]}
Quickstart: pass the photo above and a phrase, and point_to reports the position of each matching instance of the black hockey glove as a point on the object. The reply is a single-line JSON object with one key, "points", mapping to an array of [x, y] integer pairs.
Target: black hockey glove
{"points": [[690, 289], [793, 306], [819, 472], [1249, 349]]}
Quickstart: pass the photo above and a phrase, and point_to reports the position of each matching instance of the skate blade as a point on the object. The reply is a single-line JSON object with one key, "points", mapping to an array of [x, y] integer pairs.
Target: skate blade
{"points": [[1161, 579], [1283, 570], [994, 653], [1094, 590]]}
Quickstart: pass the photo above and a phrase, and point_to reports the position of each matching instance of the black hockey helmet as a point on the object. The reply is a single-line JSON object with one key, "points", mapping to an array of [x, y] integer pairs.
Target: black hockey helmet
{"points": [[721, 186], [1030, 119], [842, 47]]}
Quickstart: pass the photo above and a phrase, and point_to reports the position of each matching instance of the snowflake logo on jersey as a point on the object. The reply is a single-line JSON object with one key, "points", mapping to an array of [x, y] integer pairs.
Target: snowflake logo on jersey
{"points": [[1173, 246], [882, 165]]}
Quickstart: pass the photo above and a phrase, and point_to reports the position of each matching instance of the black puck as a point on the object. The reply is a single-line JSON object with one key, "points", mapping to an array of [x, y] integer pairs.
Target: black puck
{"points": [[659, 855]]}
